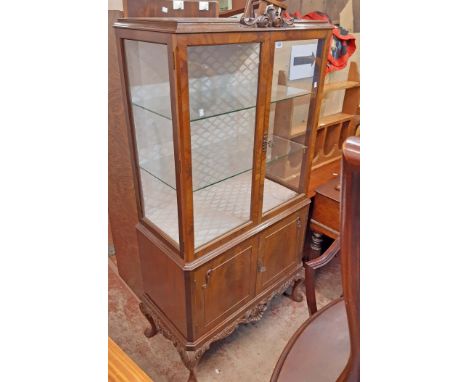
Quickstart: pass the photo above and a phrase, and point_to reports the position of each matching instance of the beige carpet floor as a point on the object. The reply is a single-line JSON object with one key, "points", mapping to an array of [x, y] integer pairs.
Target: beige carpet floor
{"points": [[249, 354]]}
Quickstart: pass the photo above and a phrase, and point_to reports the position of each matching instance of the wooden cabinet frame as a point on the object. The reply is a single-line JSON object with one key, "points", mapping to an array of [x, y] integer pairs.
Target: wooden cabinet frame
{"points": [[179, 312]]}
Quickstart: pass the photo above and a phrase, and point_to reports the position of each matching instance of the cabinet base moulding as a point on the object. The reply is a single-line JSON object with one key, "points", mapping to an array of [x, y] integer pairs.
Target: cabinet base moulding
{"points": [[190, 358]]}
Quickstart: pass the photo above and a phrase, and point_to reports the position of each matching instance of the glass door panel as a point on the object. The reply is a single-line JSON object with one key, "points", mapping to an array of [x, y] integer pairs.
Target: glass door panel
{"points": [[223, 95], [148, 81], [295, 79]]}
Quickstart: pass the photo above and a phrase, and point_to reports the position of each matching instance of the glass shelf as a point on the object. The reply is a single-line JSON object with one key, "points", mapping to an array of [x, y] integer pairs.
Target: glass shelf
{"points": [[281, 148], [203, 105], [211, 165]]}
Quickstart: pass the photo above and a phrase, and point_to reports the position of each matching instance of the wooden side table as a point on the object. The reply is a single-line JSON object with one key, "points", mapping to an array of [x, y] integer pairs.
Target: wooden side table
{"points": [[325, 218]]}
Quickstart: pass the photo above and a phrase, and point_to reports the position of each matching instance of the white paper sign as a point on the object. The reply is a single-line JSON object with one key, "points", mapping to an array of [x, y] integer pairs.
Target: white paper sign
{"points": [[302, 62]]}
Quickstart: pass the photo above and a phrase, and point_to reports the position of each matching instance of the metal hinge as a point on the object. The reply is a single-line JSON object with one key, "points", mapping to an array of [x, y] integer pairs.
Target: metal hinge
{"points": [[265, 143]]}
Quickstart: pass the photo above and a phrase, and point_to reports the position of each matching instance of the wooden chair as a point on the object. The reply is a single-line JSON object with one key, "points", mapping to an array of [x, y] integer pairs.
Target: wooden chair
{"points": [[326, 347]]}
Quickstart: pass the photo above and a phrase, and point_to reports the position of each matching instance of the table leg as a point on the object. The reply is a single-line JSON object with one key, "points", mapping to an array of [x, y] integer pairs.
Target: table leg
{"points": [[316, 244]]}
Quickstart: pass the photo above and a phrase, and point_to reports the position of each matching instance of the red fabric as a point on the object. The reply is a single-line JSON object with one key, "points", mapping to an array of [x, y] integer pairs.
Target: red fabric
{"points": [[313, 16], [309, 16], [338, 63]]}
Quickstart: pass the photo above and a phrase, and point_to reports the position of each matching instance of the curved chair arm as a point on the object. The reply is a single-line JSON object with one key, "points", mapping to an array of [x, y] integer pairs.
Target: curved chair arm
{"points": [[326, 257], [310, 267]]}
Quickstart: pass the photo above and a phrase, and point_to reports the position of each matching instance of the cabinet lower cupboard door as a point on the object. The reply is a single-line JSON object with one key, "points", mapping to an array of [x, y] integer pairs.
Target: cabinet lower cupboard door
{"points": [[280, 249], [224, 285]]}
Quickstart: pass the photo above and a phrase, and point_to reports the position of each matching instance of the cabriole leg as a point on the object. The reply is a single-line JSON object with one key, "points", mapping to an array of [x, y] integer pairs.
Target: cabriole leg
{"points": [[152, 330], [296, 295], [190, 360]]}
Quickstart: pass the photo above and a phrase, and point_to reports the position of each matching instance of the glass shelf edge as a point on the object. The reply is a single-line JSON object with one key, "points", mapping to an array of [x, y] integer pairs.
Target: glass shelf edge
{"points": [[156, 177], [273, 101], [295, 149]]}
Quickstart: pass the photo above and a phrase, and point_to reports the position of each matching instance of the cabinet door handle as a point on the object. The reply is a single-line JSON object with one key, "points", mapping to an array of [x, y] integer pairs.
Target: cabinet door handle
{"points": [[299, 222], [260, 267], [207, 277]]}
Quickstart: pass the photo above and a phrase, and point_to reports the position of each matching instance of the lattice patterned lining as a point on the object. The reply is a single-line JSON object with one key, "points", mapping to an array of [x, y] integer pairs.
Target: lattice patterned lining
{"points": [[222, 78], [155, 144], [218, 208], [222, 146], [160, 204]]}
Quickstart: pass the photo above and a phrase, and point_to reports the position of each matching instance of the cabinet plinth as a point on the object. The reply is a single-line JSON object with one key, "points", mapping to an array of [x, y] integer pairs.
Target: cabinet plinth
{"points": [[221, 171]]}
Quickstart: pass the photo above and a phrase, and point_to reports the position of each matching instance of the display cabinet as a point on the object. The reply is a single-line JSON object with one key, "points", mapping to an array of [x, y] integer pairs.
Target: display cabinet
{"points": [[222, 118]]}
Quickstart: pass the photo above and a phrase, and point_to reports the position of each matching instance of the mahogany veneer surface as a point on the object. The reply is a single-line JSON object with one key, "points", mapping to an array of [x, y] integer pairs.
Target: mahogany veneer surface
{"points": [[123, 210], [320, 347]]}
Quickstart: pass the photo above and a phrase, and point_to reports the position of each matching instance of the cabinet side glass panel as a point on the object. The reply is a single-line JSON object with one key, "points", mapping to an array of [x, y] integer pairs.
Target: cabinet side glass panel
{"points": [[295, 81], [148, 80], [223, 83]]}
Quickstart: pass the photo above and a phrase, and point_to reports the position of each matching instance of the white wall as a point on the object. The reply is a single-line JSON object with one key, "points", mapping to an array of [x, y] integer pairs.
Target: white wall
{"points": [[115, 5]]}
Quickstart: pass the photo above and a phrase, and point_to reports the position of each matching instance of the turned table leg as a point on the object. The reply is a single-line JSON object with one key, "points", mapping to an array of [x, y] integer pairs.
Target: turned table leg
{"points": [[316, 244]]}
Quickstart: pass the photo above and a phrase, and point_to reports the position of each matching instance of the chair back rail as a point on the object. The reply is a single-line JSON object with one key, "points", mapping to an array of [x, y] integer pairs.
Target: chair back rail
{"points": [[350, 242]]}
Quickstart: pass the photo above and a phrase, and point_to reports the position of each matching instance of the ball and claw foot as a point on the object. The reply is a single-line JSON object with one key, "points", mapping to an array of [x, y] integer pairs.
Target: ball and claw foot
{"points": [[192, 377], [296, 294], [190, 360], [150, 331]]}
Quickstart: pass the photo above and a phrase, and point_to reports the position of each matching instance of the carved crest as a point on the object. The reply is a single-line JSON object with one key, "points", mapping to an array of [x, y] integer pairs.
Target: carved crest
{"points": [[269, 14]]}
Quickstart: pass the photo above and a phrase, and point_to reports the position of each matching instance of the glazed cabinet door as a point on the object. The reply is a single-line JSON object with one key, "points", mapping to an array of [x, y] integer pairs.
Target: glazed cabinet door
{"points": [[291, 119], [280, 249], [224, 285], [222, 87]]}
